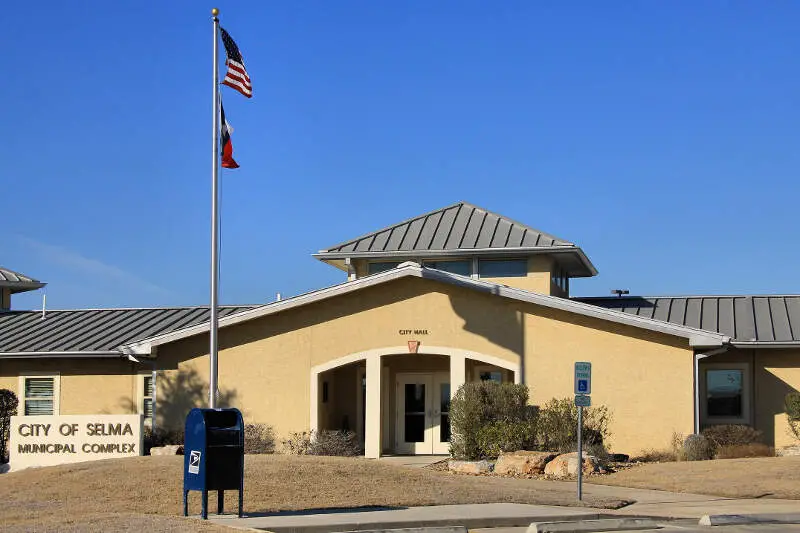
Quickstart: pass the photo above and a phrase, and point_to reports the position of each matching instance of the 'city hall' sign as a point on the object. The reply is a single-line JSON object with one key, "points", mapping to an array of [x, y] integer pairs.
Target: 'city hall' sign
{"points": [[53, 440]]}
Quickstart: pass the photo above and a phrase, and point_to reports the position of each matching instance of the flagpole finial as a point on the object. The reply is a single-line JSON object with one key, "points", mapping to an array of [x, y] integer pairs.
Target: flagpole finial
{"points": [[214, 11]]}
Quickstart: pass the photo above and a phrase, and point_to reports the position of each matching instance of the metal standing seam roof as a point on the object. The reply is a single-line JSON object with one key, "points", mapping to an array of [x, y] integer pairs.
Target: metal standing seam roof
{"points": [[461, 226], [18, 282], [746, 319], [94, 330]]}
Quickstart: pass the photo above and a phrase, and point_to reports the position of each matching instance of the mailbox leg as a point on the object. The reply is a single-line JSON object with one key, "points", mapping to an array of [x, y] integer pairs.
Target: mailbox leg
{"points": [[185, 503], [241, 508], [220, 501], [204, 512]]}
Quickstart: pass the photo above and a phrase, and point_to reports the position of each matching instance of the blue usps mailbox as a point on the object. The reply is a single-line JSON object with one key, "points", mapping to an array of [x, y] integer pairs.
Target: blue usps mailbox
{"points": [[213, 455]]}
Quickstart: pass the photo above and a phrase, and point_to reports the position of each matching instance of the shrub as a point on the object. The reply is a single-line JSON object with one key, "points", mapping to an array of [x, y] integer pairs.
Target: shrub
{"points": [[732, 435], [297, 443], [499, 437], [8, 408], [161, 437], [737, 451], [792, 406], [487, 416], [657, 456], [557, 428], [696, 448], [259, 439], [337, 443]]}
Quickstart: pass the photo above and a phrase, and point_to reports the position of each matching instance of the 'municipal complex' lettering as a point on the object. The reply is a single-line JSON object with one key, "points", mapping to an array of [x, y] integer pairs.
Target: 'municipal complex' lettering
{"points": [[70, 448]]}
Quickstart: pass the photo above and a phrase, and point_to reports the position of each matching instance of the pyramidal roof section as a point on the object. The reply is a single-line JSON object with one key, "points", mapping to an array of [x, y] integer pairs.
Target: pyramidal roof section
{"points": [[18, 282], [461, 226]]}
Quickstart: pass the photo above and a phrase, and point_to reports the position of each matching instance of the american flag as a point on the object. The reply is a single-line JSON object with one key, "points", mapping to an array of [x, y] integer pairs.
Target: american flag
{"points": [[236, 77]]}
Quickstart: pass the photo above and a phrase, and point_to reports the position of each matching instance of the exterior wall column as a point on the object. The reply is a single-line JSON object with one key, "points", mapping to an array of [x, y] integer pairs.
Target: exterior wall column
{"points": [[372, 426], [458, 372]]}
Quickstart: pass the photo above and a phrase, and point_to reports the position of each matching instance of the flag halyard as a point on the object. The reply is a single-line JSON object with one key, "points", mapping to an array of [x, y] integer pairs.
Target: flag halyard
{"points": [[236, 77]]}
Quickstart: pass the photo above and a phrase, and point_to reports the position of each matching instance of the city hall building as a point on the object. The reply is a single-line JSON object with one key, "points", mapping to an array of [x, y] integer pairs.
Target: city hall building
{"points": [[456, 295]]}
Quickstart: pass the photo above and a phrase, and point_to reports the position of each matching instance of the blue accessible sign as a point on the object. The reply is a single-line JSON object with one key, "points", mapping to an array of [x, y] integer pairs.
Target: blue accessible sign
{"points": [[583, 378]]}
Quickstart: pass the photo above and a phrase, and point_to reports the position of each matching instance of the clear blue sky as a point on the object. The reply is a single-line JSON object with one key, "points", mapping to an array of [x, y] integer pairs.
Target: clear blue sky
{"points": [[662, 137]]}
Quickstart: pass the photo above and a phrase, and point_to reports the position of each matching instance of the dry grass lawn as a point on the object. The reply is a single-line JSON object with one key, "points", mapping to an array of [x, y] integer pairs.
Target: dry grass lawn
{"points": [[145, 493], [760, 477]]}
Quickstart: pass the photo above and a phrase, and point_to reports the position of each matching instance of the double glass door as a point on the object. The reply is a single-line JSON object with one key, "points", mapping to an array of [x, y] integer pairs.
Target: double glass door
{"points": [[423, 413]]}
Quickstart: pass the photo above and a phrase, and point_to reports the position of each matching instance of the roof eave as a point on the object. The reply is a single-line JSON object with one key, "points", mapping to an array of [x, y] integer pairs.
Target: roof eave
{"points": [[696, 337], [765, 344], [63, 355], [22, 286]]}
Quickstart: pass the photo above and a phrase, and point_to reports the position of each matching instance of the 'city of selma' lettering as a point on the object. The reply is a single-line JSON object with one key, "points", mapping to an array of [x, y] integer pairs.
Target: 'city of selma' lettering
{"points": [[92, 429]]}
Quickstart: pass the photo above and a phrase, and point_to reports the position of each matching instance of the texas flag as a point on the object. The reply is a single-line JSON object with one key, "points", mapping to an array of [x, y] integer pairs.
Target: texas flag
{"points": [[225, 140]]}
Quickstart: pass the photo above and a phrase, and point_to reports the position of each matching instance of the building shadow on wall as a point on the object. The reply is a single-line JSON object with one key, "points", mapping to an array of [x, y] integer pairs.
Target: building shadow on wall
{"points": [[179, 392], [766, 414], [493, 318]]}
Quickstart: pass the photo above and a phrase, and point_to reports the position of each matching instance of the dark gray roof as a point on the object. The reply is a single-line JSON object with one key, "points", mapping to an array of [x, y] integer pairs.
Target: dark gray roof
{"points": [[457, 229], [460, 226], [18, 282], [94, 330], [746, 319]]}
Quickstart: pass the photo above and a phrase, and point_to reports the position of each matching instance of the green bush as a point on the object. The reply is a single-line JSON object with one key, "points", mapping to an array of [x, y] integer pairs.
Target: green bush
{"points": [[8, 408], [792, 406], [557, 427], [488, 417], [498, 437], [732, 435], [259, 439], [696, 448]]}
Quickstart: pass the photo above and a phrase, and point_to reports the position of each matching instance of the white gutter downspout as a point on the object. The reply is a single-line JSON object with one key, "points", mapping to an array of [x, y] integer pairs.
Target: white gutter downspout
{"points": [[697, 358]]}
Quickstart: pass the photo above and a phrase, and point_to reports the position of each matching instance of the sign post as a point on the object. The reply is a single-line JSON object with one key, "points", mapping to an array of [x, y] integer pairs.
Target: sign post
{"points": [[583, 388]]}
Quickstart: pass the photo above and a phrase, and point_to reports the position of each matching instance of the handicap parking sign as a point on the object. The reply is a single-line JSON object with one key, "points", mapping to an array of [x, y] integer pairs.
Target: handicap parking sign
{"points": [[583, 378]]}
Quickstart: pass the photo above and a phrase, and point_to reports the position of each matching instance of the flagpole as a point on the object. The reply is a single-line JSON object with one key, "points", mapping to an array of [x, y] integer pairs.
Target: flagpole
{"points": [[213, 322]]}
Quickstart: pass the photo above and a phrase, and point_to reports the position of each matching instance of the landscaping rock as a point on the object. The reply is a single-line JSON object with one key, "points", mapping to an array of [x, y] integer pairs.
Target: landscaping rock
{"points": [[470, 467], [566, 465], [619, 457], [5, 467], [787, 451], [522, 463], [172, 449]]}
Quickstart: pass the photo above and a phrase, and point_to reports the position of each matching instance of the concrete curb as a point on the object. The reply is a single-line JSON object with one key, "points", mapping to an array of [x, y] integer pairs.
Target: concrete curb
{"points": [[581, 526], [744, 519], [444, 529]]}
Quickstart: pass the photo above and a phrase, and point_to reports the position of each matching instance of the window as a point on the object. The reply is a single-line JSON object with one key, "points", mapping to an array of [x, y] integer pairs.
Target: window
{"points": [[725, 393], [462, 268], [374, 268], [39, 395], [560, 279], [147, 398], [503, 268], [488, 373]]}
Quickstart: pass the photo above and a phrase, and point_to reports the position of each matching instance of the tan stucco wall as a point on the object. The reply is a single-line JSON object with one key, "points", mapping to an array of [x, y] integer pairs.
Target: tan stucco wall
{"points": [[778, 373], [265, 363], [87, 386], [644, 377]]}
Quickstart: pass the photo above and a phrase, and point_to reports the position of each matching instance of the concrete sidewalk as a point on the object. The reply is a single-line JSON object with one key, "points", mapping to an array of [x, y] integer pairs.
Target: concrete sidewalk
{"points": [[471, 516], [649, 503]]}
